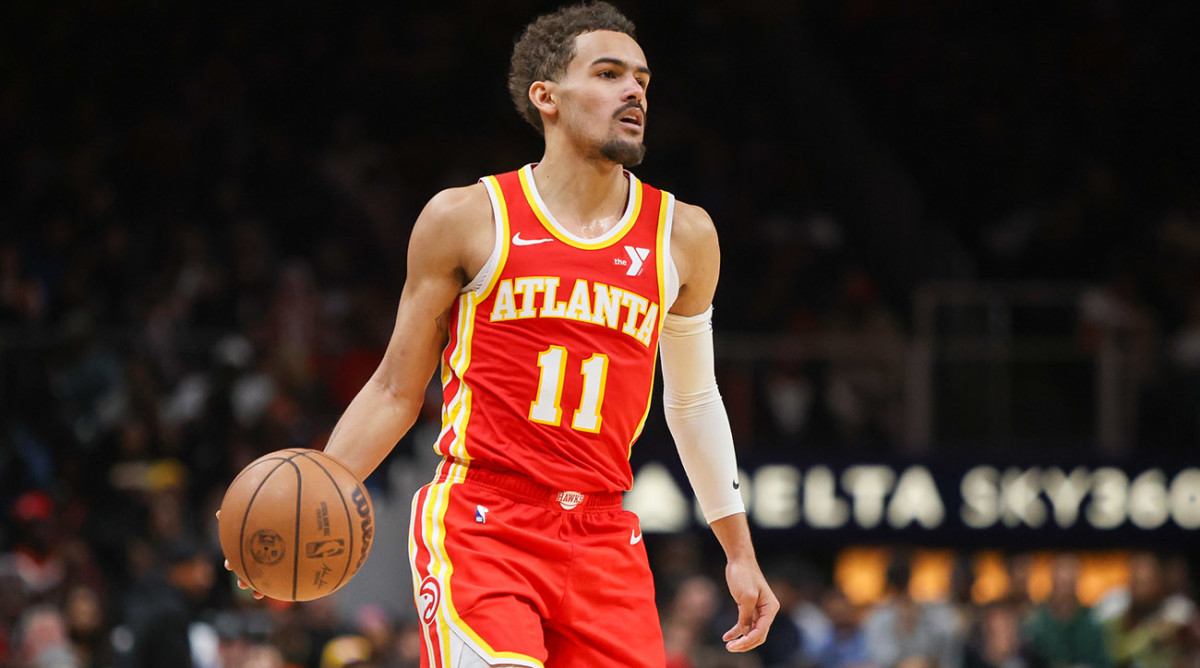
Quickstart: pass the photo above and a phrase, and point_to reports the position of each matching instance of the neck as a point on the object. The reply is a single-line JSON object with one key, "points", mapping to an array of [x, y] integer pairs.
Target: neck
{"points": [[587, 195]]}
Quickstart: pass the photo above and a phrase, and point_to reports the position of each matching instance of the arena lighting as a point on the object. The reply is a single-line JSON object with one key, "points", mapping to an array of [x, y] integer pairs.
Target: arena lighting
{"points": [[985, 497]]}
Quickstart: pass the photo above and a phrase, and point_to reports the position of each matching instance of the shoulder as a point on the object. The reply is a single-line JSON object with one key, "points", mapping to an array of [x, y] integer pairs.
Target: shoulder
{"points": [[691, 225], [458, 206], [697, 258], [693, 236], [455, 230]]}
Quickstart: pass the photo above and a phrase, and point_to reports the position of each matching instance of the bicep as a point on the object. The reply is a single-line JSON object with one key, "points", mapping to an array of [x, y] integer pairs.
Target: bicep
{"points": [[435, 278]]}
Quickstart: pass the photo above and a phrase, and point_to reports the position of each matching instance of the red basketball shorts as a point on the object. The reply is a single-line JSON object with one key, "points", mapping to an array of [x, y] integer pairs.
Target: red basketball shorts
{"points": [[529, 576]]}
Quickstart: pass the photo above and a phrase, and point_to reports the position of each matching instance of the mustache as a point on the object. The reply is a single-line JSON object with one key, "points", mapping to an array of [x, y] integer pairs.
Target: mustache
{"points": [[632, 104]]}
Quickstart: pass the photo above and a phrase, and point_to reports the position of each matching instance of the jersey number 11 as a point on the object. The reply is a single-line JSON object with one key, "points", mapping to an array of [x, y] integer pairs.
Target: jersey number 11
{"points": [[547, 406]]}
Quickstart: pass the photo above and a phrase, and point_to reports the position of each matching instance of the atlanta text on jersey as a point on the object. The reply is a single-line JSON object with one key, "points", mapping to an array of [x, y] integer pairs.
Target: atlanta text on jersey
{"points": [[594, 303]]}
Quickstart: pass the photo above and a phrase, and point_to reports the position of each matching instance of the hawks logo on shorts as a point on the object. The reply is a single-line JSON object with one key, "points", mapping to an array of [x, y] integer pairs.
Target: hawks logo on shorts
{"points": [[429, 597], [558, 340]]}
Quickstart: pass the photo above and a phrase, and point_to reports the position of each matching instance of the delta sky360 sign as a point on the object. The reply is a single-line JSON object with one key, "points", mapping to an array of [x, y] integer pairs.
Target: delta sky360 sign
{"points": [[1095, 504]]}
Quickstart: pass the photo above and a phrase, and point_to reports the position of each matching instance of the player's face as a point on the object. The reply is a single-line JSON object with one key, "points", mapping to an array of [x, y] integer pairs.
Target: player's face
{"points": [[604, 96]]}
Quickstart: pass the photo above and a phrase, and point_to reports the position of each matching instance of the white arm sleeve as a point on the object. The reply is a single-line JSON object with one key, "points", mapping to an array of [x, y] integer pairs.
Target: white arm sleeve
{"points": [[695, 414]]}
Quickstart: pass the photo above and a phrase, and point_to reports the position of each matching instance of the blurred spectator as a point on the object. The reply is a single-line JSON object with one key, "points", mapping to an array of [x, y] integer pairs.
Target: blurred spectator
{"points": [[87, 626], [42, 642], [22, 296], [408, 646], [1061, 631], [689, 622], [845, 644], [864, 390], [784, 645], [1155, 627], [37, 562], [260, 656], [809, 613], [347, 652], [161, 608], [902, 633], [373, 623], [1019, 568], [960, 609], [997, 643], [302, 630]]}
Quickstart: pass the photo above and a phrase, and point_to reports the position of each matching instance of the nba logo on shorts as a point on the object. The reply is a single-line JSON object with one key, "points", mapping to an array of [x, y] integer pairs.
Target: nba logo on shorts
{"points": [[429, 597]]}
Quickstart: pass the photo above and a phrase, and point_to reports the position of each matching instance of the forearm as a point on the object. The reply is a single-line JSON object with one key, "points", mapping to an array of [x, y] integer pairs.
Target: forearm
{"points": [[733, 532], [373, 423], [696, 415]]}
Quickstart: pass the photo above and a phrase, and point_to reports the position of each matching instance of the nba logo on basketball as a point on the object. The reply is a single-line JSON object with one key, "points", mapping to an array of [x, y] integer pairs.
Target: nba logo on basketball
{"points": [[267, 547], [429, 596]]}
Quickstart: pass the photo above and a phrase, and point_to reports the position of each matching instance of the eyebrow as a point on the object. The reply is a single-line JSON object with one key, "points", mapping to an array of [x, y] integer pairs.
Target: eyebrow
{"points": [[620, 63]]}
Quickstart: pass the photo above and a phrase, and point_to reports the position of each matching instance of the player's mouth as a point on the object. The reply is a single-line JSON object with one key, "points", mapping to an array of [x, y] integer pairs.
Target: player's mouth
{"points": [[633, 118]]}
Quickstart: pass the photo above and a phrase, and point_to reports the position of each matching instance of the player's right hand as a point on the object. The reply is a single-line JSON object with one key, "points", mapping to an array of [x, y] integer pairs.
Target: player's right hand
{"points": [[243, 585], [757, 605], [240, 583]]}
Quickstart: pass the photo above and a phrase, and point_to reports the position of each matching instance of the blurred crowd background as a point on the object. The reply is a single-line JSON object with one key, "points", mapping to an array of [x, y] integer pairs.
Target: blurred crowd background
{"points": [[948, 228]]}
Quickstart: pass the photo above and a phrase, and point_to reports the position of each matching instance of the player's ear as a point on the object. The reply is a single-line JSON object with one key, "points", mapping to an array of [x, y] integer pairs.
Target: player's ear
{"points": [[544, 96]]}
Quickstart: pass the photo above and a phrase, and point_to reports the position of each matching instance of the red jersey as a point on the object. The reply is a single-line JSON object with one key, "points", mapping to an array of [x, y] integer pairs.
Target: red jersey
{"points": [[550, 363]]}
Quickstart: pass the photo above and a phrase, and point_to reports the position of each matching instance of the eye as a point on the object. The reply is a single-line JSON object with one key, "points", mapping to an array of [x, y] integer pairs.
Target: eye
{"points": [[642, 82], [608, 74]]}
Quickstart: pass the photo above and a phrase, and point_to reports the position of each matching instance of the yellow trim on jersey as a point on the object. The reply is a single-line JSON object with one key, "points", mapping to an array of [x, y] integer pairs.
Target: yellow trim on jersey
{"points": [[634, 184], [665, 208], [440, 567], [456, 413]]}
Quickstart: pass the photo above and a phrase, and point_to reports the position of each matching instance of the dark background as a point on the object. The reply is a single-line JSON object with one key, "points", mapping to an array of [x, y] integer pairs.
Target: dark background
{"points": [[204, 216]]}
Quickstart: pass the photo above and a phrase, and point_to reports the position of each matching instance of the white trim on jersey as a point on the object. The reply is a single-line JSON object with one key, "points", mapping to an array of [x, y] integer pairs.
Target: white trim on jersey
{"points": [[484, 277], [616, 229], [672, 273], [471, 655]]}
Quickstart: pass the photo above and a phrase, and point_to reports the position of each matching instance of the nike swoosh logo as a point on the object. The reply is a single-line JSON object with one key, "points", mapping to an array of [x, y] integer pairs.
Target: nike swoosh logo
{"points": [[518, 241], [634, 537]]}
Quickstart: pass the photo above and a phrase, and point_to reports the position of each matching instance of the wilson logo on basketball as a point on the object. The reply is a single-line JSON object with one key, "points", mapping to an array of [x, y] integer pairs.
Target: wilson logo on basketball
{"points": [[363, 505], [429, 597]]}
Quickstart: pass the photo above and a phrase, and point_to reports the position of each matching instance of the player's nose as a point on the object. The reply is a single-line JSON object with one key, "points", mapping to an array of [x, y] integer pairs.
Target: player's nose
{"points": [[634, 91]]}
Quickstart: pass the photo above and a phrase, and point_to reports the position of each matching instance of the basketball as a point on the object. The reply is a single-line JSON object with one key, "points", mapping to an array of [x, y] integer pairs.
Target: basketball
{"points": [[296, 524]]}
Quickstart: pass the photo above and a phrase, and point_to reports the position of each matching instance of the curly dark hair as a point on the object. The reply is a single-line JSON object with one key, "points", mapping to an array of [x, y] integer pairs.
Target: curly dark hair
{"points": [[548, 44]]}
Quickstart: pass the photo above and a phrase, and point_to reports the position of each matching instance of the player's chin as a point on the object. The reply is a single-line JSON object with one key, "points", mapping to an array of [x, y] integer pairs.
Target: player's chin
{"points": [[625, 152]]}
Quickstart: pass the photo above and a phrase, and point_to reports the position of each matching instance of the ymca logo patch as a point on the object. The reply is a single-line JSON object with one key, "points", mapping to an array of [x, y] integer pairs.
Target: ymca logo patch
{"points": [[429, 598], [637, 258]]}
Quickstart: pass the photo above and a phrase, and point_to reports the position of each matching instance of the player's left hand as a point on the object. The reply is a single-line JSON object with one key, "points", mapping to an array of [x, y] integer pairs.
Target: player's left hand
{"points": [[756, 604]]}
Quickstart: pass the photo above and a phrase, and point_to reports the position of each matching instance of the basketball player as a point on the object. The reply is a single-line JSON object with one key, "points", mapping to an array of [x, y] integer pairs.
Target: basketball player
{"points": [[546, 293]]}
